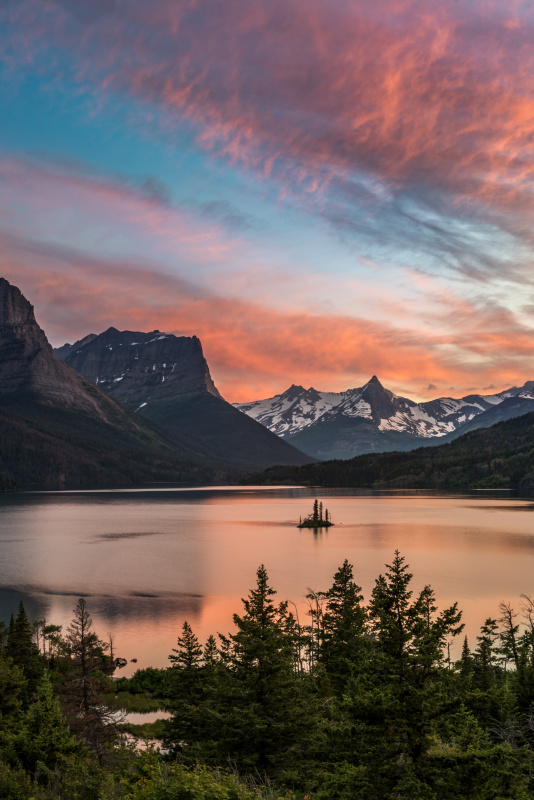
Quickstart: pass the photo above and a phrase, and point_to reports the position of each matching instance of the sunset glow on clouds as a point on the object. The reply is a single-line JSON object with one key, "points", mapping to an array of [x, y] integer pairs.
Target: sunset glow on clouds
{"points": [[319, 190]]}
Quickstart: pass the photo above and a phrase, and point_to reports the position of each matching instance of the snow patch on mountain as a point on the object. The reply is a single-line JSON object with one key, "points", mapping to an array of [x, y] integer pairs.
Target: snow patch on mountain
{"points": [[295, 409], [298, 409]]}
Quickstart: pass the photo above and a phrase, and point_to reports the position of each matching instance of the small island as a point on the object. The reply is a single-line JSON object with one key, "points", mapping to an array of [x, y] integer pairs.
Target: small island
{"points": [[316, 518]]}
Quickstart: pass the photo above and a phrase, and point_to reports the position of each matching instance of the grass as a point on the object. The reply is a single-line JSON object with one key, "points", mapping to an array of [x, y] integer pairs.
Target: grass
{"points": [[142, 703], [148, 730]]}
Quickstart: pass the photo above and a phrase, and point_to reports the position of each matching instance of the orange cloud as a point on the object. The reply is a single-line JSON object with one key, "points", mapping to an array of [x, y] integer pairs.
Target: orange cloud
{"points": [[441, 97], [411, 93], [254, 350]]}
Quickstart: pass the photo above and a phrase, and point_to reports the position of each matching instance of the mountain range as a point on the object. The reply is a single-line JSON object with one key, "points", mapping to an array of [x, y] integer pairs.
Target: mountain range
{"points": [[60, 429], [130, 407], [328, 425]]}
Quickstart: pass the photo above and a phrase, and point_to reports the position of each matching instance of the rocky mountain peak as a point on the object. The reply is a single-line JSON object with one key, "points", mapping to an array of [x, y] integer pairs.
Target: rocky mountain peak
{"points": [[26, 358], [141, 369], [293, 392], [14, 308], [28, 363]]}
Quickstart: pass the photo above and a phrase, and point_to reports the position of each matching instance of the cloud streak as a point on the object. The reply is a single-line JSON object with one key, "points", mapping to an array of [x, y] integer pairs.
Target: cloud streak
{"points": [[407, 127]]}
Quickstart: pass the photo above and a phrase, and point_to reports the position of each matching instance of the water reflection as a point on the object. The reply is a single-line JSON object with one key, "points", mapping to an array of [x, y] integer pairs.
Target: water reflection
{"points": [[11, 598], [146, 560]]}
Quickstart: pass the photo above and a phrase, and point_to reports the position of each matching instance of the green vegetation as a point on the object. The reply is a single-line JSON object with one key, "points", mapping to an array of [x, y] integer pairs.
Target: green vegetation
{"points": [[140, 703], [500, 457], [317, 519], [147, 731], [47, 445], [360, 701]]}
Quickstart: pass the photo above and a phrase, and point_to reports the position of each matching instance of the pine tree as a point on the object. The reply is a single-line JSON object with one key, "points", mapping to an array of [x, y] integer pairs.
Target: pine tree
{"points": [[44, 736], [24, 652], [486, 668], [193, 692], [465, 665], [342, 626], [85, 685], [509, 635], [392, 703], [211, 655], [189, 652], [266, 711], [12, 690], [315, 511]]}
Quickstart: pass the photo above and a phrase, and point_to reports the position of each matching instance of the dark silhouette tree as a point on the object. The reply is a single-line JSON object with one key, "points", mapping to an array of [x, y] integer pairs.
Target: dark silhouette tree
{"points": [[24, 652], [341, 627]]}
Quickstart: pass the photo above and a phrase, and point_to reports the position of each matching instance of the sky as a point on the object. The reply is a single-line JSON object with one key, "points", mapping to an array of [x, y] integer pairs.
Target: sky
{"points": [[320, 190]]}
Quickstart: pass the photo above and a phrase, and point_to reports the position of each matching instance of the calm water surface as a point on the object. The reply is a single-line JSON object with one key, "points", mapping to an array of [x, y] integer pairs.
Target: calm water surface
{"points": [[147, 560]]}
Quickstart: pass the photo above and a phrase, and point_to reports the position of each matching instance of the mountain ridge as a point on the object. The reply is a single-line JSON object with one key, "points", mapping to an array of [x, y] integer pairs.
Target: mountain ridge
{"points": [[371, 418], [166, 379], [500, 457]]}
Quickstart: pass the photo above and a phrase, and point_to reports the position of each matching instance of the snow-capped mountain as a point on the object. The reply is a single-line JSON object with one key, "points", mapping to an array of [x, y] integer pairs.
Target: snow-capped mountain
{"points": [[293, 410], [372, 418]]}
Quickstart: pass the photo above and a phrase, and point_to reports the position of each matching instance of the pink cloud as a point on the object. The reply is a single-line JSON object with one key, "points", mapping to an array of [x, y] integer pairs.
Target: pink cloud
{"points": [[406, 125], [412, 94], [254, 350]]}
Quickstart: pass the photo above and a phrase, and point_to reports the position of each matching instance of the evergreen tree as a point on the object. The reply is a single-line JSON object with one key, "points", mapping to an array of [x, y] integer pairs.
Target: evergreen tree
{"points": [[266, 712], [486, 655], [85, 685], [387, 717], [12, 691], [465, 666], [509, 649], [186, 728], [342, 626], [24, 652], [189, 652], [44, 737], [211, 653]]}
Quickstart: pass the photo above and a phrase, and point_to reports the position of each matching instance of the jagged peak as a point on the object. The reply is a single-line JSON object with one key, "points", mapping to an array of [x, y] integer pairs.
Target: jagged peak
{"points": [[293, 391], [14, 308]]}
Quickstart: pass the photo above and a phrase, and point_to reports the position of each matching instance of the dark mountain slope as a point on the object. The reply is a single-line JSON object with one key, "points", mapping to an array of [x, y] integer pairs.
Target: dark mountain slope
{"points": [[498, 457], [166, 379], [508, 409], [224, 434], [56, 447]]}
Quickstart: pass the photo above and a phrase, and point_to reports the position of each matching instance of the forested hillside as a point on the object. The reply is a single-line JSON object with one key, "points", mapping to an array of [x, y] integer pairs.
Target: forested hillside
{"points": [[498, 457], [358, 700]]}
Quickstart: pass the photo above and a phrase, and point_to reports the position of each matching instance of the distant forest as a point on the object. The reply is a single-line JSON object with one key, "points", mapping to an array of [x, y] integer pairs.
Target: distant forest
{"points": [[357, 701], [500, 457]]}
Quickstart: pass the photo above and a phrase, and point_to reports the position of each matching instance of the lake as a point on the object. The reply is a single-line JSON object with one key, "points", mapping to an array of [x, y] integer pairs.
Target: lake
{"points": [[145, 560]]}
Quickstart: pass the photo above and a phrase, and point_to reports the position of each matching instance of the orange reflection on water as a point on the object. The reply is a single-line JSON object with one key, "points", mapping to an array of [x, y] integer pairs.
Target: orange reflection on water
{"points": [[146, 561]]}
